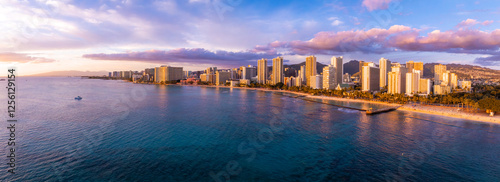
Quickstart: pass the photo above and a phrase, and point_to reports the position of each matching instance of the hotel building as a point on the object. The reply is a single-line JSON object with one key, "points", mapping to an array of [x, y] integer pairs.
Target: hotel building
{"points": [[371, 78], [310, 69], [316, 81], [453, 81], [385, 67], [396, 79], [416, 66], [441, 89], [425, 86], [412, 82], [466, 85], [338, 64], [302, 73], [222, 77], [248, 72], [277, 76], [167, 73], [439, 71], [262, 71], [329, 77]]}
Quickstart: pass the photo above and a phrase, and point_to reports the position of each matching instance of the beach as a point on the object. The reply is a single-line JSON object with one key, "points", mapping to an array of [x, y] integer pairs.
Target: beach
{"points": [[451, 112]]}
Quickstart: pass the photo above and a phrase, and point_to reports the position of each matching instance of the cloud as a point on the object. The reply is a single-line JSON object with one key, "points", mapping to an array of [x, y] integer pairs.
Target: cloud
{"points": [[372, 5], [183, 55], [468, 22], [471, 22], [462, 40], [10, 57], [335, 21], [488, 61], [487, 22], [396, 37], [369, 41]]}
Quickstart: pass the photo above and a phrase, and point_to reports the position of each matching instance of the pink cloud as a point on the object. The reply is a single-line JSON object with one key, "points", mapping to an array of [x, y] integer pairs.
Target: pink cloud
{"points": [[345, 41], [487, 22], [397, 37], [468, 22], [449, 41], [376, 4], [23, 58], [471, 22]]}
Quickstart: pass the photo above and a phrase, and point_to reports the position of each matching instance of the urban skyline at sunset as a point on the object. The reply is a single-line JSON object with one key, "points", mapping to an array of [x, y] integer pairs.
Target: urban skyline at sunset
{"points": [[46, 35]]}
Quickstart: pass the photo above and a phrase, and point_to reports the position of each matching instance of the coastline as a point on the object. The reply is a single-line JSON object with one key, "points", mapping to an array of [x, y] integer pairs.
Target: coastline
{"points": [[426, 109], [450, 112]]}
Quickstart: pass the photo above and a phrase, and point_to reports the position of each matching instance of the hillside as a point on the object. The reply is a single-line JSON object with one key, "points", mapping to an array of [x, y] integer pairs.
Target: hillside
{"points": [[319, 66], [464, 71], [351, 67]]}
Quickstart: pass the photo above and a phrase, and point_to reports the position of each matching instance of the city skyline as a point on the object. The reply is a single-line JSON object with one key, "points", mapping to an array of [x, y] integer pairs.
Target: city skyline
{"points": [[44, 36]]}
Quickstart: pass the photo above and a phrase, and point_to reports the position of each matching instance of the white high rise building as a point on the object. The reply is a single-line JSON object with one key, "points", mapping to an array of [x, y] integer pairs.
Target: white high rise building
{"points": [[316, 82], [278, 70], [385, 66], [329, 77], [302, 73], [371, 78], [338, 64], [412, 82], [262, 71]]}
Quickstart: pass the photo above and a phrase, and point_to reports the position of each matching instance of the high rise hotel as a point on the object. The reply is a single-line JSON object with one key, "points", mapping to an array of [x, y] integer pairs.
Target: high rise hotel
{"points": [[278, 70], [385, 66], [337, 63], [310, 69], [262, 71]]}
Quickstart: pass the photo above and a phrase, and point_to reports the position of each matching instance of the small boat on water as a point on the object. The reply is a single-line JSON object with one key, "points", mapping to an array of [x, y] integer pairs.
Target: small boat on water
{"points": [[78, 98], [2, 79]]}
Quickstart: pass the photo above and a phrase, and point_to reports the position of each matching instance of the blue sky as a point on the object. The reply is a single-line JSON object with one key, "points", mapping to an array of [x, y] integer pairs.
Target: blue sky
{"points": [[48, 35]]}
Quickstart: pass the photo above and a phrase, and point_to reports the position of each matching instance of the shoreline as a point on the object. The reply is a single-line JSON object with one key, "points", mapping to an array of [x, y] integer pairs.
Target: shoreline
{"points": [[425, 109], [450, 112]]}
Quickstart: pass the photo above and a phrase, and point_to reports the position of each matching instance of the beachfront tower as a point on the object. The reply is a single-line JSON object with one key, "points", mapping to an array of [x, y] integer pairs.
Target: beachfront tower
{"points": [[310, 69]]}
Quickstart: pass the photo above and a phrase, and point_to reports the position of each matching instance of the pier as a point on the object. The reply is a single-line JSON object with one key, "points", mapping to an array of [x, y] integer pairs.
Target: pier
{"points": [[367, 111], [377, 111]]}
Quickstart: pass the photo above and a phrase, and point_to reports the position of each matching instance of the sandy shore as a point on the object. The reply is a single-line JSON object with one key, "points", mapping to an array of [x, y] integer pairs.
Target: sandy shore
{"points": [[427, 109], [451, 112]]}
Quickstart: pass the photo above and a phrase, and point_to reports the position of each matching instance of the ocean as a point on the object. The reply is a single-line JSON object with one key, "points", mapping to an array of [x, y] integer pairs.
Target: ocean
{"points": [[122, 131]]}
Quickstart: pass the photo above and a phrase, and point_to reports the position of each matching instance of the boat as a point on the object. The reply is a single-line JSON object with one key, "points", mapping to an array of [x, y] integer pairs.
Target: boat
{"points": [[2, 79], [78, 98]]}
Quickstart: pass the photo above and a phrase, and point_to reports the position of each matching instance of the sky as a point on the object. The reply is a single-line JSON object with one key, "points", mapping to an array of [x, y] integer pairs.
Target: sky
{"points": [[38, 36]]}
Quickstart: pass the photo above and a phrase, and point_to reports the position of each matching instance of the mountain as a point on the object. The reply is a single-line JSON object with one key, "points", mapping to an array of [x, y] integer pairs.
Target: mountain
{"points": [[464, 71], [351, 67], [72, 73], [319, 66]]}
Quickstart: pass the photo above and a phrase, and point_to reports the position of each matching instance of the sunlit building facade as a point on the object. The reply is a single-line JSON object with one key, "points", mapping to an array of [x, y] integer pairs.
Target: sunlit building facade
{"points": [[310, 69]]}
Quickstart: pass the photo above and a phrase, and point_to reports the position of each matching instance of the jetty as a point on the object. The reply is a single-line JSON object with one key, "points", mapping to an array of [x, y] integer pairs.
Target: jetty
{"points": [[377, 111], [369, 111]]}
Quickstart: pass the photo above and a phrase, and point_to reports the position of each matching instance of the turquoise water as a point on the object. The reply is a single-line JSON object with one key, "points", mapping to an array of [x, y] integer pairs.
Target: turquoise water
{"points": [[129, 132]]}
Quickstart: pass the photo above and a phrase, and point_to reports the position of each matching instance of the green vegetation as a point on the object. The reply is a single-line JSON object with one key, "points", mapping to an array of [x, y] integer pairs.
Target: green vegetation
{"points": [[482, 97], [489, 104]]}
